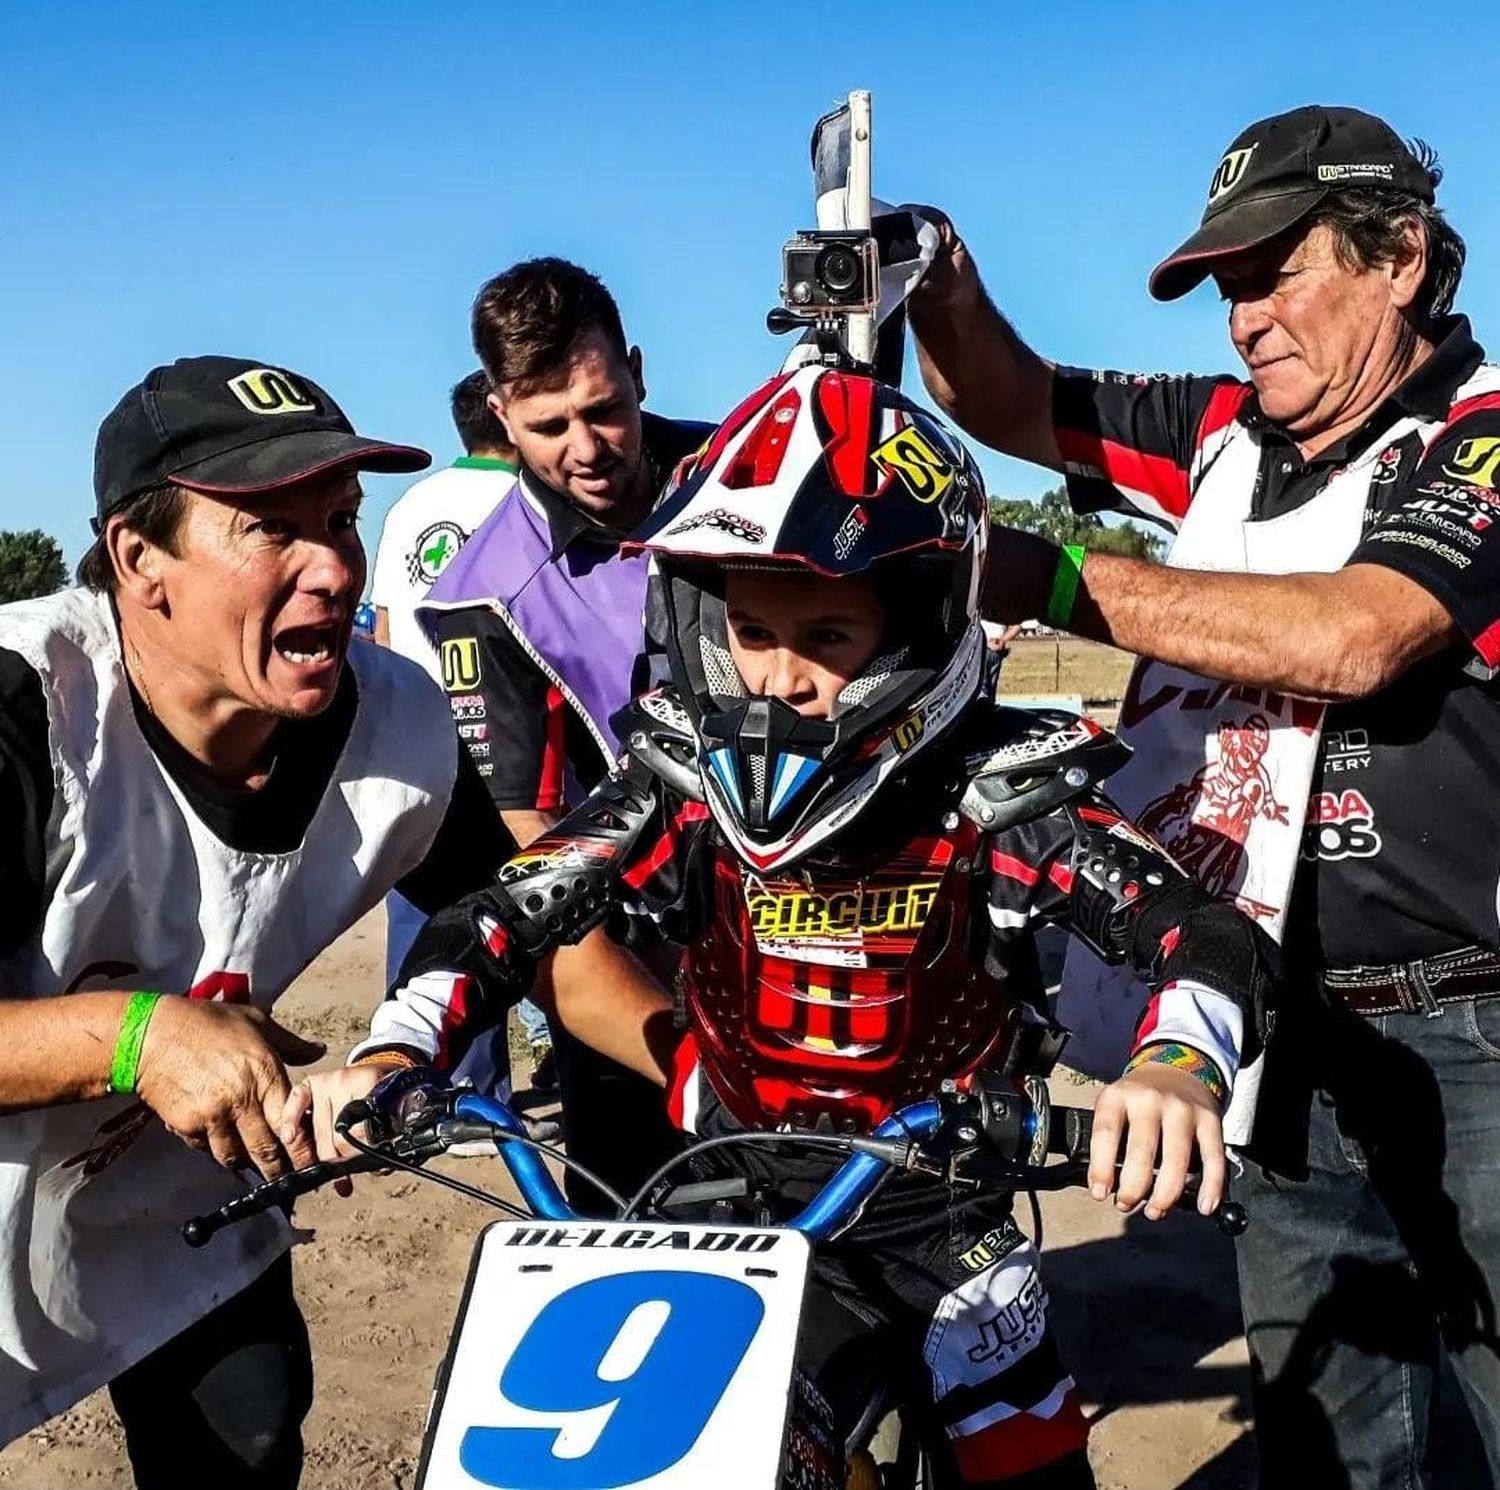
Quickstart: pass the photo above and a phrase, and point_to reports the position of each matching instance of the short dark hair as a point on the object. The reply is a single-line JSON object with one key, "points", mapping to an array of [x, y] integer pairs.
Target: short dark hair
{"points": [[1369, 227], [526, 320], [155, 514], [474, 419]]}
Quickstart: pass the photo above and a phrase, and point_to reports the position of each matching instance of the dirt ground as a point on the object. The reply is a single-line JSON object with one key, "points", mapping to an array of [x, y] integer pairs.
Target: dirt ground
{"points": [[1147, 1315]]}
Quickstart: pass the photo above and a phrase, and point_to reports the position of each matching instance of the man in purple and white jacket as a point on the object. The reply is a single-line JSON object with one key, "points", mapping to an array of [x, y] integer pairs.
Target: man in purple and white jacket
{"points": [[539, 621]]}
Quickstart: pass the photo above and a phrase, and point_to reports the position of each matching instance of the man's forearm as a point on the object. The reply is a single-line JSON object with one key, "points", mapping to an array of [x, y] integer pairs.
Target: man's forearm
{"points": [[58, 1048], [985, 378], [1327, 636]]}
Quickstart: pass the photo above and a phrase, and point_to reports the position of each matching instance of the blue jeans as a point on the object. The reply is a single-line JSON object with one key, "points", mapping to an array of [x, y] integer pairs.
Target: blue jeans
{"points": [[1374, 1248]]}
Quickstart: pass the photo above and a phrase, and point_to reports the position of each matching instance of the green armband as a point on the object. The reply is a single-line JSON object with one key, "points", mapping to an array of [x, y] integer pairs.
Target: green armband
{"points": [[124, 1070], [1065, 585]]}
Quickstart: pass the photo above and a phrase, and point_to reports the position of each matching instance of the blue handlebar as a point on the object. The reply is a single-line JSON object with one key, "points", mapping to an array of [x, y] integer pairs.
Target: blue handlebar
{"points": [[835, 1203], [526, 1167], [856, 1179]]}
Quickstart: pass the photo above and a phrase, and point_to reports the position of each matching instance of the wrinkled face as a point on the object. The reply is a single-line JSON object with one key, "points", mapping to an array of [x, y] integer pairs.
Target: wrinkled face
{"points": [[1308, 329], [801, 637], [260, 600], [580, 430]]}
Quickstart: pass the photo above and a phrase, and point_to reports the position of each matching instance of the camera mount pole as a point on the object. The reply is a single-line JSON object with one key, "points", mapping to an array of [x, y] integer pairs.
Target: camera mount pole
{"points": [[861, 327]]}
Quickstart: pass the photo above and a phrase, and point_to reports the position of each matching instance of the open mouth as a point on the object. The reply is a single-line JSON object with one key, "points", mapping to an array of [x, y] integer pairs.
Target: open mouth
{"points": [[308, 646]]}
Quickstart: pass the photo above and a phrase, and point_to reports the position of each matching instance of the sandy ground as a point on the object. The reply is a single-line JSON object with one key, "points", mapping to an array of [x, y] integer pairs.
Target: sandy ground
{"points": [[1147, 1315]]}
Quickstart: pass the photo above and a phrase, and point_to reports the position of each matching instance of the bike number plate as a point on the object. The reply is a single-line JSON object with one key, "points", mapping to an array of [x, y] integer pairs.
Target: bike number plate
{"points": [[597, 1355]]}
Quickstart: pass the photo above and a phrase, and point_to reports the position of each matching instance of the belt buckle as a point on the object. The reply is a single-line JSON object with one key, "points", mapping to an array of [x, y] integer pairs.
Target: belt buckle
{"points": [[1414, 980]]}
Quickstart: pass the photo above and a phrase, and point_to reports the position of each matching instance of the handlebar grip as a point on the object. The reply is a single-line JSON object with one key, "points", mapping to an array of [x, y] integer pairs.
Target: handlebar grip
{"points": [[1069, 1130], [198, 1229]]}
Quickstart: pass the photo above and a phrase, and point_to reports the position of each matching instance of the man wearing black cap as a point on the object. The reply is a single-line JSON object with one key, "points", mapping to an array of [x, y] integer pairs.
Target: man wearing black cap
{"points": [[1317, 723], [202, 786]]}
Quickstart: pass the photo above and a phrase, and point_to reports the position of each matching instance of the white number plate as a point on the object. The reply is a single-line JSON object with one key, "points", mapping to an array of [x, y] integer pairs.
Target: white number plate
{"points": [[599, 1355]]}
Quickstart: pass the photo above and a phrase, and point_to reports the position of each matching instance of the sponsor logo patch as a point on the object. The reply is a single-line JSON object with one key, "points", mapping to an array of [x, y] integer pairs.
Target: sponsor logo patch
{"points": [[923, 470], [909, 731], [267, 390], [1340, 825], [725, 522], [1357, 170], [990, 1248], [460, 659], [436, 548], [779, 916], [1476, 461], [1230, 170], [851, 530]]}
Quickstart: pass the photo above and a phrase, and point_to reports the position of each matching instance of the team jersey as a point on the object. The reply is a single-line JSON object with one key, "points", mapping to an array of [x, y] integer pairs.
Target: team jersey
{"points": [[1401, 847], [525, 737], [901, 957]]}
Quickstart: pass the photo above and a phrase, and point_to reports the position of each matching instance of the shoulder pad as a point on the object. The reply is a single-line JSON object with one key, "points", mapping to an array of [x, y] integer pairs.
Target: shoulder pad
{"points": [[1039, 759], [658, 734]]}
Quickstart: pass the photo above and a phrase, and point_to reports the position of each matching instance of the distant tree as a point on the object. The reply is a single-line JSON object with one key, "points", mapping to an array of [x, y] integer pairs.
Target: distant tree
{"points": [[1052, 517], [31, 564]]}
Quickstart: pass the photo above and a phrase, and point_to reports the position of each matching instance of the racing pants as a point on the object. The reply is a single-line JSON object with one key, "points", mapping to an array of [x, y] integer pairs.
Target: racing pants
{"points": [[934, 1299]]}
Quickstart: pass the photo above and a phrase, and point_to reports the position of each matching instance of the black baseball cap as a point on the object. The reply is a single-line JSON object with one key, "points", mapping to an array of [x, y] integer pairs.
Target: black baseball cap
{"points": [[1276, 172], [224, 424]]}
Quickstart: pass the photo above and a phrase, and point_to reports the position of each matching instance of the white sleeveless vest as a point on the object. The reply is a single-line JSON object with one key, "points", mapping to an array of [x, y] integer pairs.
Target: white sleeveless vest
{"points": [[1221, 774], [140, 894]]}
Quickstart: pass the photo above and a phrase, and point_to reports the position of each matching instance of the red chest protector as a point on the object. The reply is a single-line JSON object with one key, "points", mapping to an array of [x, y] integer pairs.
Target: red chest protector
{"points": [[840, 993]]}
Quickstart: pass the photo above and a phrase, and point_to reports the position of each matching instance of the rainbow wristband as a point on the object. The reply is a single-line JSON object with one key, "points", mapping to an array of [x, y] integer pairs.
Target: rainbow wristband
{"points": [[1181, 1058], [1065, 585], [124, 1070]]}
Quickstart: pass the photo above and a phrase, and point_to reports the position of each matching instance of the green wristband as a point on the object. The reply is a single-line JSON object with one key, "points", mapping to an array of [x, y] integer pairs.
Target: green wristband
{"points": [[1065, 585], [124, 1070]]}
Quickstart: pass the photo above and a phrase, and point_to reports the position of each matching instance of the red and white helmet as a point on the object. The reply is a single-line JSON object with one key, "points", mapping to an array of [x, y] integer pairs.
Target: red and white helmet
{"points": [[835, 473]]}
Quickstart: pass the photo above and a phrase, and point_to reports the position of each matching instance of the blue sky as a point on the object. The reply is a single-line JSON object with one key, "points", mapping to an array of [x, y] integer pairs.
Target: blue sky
{"points": [[325, 185]]}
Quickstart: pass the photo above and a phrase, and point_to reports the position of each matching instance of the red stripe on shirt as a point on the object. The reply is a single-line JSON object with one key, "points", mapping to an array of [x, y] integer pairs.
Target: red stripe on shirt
{"points": [[1013, 868], [1158, 476], [684, 1059], [1147, 1026], [1224, 405], [641, 871], [1487, 644], [549, 787], [455, 1015], [1467, 407], [1061, 876]]}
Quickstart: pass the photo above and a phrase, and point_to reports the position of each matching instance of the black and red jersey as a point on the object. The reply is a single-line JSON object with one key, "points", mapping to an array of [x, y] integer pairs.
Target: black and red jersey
{"points": [[1401, 850], [864, 976]]}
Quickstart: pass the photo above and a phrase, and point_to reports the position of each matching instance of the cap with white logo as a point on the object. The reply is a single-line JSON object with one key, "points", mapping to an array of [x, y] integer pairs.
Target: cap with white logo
{"points": [[223, 424], [1276, 172]]}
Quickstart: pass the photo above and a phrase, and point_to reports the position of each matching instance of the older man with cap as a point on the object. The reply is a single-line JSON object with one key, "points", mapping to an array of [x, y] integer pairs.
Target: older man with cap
{"points": [[1317, 723], [202, 785]]}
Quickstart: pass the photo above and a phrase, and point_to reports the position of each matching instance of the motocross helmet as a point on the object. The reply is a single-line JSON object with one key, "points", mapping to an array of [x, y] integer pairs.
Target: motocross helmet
{"points": [[837, 474]]}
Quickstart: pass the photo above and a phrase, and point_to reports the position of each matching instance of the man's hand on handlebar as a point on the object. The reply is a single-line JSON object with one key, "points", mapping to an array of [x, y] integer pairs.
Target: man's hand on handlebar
{"points": [[215, 1074], [1157, 1108]]}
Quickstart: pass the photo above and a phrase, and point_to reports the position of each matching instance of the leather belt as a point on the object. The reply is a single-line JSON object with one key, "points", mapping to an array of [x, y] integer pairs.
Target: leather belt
{"points": [[1419, 987]]}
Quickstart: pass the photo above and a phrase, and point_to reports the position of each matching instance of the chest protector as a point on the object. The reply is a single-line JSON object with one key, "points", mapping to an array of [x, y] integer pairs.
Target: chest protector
{"points": [[836, 995]]}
